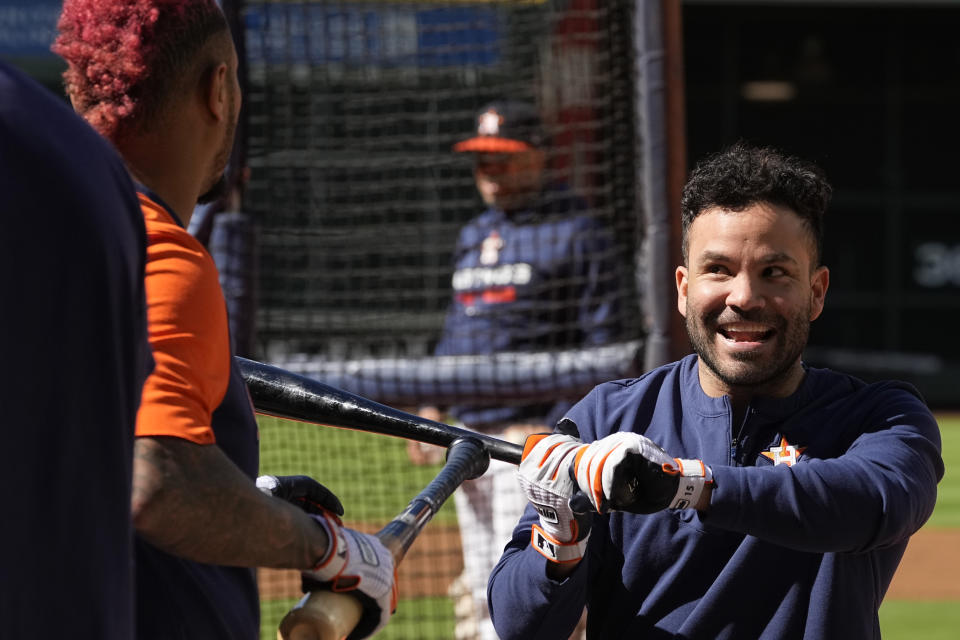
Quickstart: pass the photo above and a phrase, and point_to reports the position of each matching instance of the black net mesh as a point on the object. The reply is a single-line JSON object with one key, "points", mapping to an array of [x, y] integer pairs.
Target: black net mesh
{"points": [[379, 271], [352, 112]]}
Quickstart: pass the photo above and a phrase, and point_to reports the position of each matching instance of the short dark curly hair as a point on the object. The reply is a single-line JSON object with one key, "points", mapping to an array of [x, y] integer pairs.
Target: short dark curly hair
{"points": [[743, 175], [125, 59]]}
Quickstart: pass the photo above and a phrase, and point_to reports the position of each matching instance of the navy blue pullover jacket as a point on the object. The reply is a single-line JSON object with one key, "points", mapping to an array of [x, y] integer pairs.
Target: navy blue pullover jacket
{"points": [[784, 551]]}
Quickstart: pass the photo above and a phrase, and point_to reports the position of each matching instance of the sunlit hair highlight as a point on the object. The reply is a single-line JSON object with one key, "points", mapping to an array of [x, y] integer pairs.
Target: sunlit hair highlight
{"points": [[126, 57], [743, 175]]}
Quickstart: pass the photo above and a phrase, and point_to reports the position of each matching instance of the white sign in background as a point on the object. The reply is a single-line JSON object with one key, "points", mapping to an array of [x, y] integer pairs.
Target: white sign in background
{"points": [[937, 264]]}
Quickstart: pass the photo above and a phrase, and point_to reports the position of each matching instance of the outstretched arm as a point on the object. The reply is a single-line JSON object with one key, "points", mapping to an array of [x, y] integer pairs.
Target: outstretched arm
{"points": [[878, 492], [872, 492], [192, 501]]}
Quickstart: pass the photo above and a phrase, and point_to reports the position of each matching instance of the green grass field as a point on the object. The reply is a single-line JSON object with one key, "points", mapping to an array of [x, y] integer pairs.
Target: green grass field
{"points": [[386, 482], [947, 513], [422, 619], [373, 492], [915, 620]]}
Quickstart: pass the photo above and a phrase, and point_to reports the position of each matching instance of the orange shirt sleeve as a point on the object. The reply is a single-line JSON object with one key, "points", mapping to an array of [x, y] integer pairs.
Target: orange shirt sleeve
{"points": [[187, 320]]}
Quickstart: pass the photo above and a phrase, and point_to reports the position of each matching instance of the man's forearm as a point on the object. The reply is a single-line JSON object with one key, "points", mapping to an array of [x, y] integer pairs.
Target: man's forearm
{"points": [[527, 602], [559, 571], [191, 501]]}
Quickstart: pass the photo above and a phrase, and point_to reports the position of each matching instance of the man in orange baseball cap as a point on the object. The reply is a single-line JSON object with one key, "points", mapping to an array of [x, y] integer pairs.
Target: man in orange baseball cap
{"points": [[509, 157], [535, 271]]}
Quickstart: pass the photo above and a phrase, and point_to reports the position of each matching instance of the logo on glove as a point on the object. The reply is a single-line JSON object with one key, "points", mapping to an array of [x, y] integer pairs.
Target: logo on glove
{"points": [[549, 514], [546, 547], [366, 551]]}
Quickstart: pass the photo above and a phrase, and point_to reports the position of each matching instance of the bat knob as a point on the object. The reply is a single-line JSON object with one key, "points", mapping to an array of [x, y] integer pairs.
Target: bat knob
{"points": [[321, 615], [470, 452]]}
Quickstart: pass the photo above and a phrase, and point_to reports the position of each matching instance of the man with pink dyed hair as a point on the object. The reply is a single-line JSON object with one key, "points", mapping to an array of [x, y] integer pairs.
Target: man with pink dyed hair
{"points": [[158, 78]]}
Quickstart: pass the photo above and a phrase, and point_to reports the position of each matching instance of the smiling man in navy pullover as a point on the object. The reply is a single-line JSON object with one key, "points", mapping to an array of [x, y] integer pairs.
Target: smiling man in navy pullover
{"points": [[741, 493]]}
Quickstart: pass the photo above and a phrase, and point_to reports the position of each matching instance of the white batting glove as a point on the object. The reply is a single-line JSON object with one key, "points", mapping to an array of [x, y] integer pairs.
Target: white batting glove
{"points": [[546, 476], [629, 472], [359, 564]]}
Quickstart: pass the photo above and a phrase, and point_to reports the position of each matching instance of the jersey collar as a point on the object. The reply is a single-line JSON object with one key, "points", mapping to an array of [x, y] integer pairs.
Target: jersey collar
{"points": [[141, 188]]}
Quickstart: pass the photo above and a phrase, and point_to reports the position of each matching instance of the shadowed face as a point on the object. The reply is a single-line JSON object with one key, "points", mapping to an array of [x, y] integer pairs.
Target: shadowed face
{"points": [[509, 181], [749, 293], [217, 183]]}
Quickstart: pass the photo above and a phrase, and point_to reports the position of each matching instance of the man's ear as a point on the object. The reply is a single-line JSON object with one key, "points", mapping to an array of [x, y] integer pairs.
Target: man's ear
{"points": [[216, 93], [682, 276], [819, 283]]}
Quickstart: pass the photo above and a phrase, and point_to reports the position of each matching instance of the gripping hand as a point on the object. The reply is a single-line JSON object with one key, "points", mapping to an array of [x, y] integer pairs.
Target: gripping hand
{"points": [[629, 472], [359, 564], [546, 477], [302, 491]]}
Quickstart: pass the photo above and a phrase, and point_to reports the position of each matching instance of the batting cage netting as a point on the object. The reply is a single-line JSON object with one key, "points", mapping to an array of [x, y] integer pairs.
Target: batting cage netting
{"points": [[361, 254]]}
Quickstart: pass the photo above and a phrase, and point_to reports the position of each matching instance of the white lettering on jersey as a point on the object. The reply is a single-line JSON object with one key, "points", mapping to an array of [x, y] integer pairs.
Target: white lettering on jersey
{"points": [[503, 275]]}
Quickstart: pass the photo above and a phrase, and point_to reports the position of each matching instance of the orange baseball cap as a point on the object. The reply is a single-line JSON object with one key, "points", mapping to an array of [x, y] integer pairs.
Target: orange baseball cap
{"points": [[505, 126]]}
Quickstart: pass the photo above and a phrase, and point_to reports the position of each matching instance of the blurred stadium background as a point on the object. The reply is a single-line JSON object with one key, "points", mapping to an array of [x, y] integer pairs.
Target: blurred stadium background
{"points": [[336, 253]]}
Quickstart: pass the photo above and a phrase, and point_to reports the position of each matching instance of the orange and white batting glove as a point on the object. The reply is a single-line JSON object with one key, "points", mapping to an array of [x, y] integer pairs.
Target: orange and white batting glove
{"points": [[357, 563], [546, 476], [629, 472]]}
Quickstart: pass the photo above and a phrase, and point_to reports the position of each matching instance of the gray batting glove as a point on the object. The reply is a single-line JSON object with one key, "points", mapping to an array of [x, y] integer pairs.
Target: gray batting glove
{"points": [[358, 564]]}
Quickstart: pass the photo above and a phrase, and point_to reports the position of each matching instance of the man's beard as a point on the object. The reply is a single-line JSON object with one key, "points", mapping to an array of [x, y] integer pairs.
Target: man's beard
{"points": [[215, 192], [221, 185], [747, 371]]}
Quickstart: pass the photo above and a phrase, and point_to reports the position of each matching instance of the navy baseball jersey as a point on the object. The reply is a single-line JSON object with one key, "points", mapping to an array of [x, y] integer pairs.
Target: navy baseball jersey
{"points": [[815, 499], [73, 344], [536, 280], [195, 393]]}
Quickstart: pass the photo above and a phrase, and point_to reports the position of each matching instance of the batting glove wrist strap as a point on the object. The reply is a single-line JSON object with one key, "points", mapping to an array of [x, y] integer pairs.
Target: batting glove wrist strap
{"points": [[333, 561], [693, 477], [554, 550]]}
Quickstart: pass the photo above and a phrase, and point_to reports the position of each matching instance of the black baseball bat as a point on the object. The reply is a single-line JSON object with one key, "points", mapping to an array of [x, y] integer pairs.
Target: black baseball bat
{"points": [[283, 394], [325, 615]]}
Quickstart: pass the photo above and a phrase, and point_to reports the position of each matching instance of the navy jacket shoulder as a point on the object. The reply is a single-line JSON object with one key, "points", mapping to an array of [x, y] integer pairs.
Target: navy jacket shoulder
{"points": [[74, 346]]}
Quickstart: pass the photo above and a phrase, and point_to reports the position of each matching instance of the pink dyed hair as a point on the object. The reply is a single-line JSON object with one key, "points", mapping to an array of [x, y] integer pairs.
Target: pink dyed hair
{"points": [[125, 56]]}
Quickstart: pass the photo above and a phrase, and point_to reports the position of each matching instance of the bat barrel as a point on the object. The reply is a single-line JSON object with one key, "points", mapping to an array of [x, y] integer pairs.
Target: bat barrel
{"points": [[466, 459], [281, 393]]}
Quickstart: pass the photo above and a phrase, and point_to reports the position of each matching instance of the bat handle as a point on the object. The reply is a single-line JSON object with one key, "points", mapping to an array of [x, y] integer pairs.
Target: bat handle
{"points": [[329, 615], [321, 615], [325, 615]]}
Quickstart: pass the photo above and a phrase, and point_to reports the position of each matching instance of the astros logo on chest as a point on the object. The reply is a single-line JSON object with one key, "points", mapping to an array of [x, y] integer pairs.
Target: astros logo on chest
{"points": [[786, 453], [490, 249]]}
